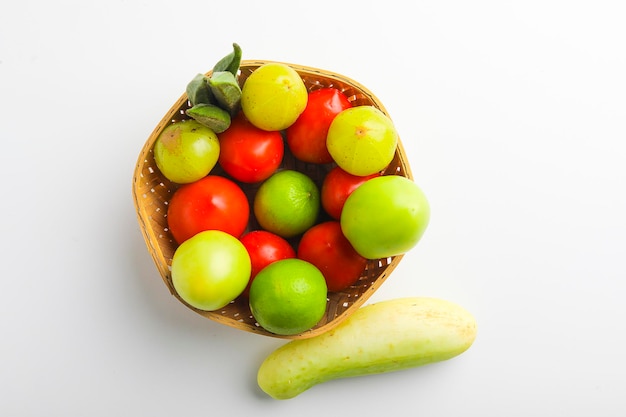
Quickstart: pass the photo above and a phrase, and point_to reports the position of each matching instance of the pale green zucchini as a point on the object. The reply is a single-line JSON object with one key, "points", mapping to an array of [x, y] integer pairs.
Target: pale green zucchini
{"points": [[381, 337]]}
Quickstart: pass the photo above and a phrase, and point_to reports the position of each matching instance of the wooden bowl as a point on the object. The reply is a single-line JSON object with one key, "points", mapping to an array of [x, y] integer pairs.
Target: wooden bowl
{"points": [[152, 192]]}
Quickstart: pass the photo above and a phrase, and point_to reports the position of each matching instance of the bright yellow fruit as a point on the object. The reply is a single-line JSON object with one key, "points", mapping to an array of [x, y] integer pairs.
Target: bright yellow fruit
{"points": [[273, 96], [362, 140]]}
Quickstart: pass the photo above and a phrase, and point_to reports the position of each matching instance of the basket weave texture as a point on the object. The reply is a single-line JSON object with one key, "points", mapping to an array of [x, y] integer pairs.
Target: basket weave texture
{"points": [[152, 192]]}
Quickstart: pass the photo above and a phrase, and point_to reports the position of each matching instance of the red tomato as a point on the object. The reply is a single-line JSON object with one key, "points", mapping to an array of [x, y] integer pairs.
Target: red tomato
{"points": [[306, 137], [264, 248], [249, 154], [325, 246], [337, 186], [212, 202]]}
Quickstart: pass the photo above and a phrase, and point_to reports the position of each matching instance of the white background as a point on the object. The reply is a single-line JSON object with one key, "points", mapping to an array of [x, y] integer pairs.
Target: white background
{"points": [[513, 115]]}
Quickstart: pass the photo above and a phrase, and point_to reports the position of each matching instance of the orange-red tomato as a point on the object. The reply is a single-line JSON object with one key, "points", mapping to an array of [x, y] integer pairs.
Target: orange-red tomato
{"points": [[213, 202], [265, 248], [336, 187], [306, 137], [249, 154], [325, 246]]}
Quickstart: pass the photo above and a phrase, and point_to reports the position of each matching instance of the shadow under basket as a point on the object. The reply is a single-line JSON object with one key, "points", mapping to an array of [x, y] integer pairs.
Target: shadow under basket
{"points": [[152, 192]]}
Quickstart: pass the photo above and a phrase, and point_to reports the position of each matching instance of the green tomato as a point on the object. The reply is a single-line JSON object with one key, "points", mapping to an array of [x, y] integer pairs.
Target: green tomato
{"points": [[186, 151], [210, 269], [386, 216]]}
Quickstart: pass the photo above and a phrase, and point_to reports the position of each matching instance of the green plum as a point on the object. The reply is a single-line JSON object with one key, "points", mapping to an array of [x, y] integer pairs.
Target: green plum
{"points": [[186, 151], [362, 140], [385, 216]]}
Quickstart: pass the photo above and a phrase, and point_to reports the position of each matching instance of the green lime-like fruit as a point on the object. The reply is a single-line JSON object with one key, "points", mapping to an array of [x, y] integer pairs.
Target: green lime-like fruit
{"points": [[287, 203], [273, 96], [186, 151], [362, 140], [288, 296], [210, 269], [385, 216]]}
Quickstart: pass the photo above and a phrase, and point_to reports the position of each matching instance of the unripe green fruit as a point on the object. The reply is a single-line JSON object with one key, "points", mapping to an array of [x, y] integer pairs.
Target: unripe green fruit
{"points": [[186, 151]]}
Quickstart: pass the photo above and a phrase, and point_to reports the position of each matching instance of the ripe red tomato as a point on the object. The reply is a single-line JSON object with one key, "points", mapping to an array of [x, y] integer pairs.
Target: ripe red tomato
{"points": [[249, 154], [265, 248], [213, 202], [306, 137], [337, 186], [325, 246]]}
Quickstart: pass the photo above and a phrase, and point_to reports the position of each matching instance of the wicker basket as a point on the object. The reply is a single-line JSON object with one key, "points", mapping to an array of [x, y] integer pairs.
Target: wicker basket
{"points": [[152, 191]]}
